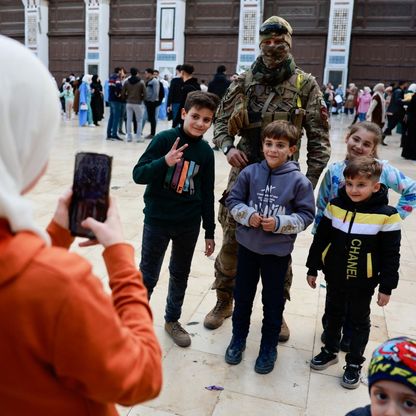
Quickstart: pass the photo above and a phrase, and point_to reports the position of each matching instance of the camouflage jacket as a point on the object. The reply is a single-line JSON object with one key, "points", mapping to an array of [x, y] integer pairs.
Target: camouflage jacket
{"points": [[300, 93]]}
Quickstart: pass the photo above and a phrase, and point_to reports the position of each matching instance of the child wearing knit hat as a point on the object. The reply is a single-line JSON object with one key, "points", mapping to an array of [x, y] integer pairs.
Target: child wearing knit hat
{"points": [[392, 380]]}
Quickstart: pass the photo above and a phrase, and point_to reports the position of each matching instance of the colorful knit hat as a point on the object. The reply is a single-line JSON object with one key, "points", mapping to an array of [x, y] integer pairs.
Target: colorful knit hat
{"points": [[395, 360]]}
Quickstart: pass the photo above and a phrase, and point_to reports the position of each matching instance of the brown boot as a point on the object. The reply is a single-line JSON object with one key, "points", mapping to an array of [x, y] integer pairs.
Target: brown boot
{"points": [[223, 309], [284, 331]]}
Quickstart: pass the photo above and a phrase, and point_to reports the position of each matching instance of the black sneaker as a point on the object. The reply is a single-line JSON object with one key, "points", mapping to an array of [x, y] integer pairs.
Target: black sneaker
{"points": [[323, 360], [266, 359], [117, 138], [351, 377], [234, 353]]}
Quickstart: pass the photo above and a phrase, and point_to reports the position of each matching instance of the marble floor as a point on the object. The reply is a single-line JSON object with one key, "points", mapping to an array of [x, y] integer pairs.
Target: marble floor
{"points": [[292, 388]]}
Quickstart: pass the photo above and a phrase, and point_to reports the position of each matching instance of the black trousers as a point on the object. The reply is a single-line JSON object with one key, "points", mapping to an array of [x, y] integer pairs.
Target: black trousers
{"points": [[151, 115], [339, 300], [392, 121], [272, 270]]}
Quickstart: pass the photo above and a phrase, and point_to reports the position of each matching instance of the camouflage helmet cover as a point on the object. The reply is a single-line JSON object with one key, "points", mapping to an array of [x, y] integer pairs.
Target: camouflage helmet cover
{"points": [[276, 26]]}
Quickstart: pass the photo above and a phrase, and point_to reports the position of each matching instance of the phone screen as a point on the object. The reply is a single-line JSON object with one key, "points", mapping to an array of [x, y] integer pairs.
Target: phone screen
{"points": [[91, 188]]}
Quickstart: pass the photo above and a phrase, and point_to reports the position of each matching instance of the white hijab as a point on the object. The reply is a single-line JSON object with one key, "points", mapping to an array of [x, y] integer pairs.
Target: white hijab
{"points": [[29, 120]]}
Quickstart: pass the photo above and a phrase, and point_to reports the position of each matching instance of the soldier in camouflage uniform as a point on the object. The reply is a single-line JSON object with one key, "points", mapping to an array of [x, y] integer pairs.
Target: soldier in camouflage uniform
{"points": [[273, 88]]}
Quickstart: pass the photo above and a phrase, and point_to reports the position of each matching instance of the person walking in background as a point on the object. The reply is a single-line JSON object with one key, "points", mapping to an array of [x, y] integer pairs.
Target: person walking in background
{"points": [[328, 94], [339, 98], [161, 108], [376, 113], [68, 95], [68, 348], [122, 118], [395, 110], [364, 104], [409, 124], [387, 96], [97, 102], [151, 102], [189, 84], [85, 113], [350, 99], [134, 92], [75, 85], [174, 96], [357, 103], [219, 84], [114, 94]]}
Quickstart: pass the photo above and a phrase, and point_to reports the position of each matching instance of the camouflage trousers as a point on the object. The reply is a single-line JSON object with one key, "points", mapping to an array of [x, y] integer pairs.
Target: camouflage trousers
{"points": [[226, 260]]}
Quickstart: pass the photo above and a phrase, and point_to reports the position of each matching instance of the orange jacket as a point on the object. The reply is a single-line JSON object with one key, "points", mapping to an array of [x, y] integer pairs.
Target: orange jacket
{"points": [[66, 347]]}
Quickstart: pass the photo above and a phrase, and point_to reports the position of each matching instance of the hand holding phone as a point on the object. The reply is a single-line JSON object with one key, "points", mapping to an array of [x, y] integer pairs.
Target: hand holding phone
{"points": [[61, 215], [91, 189], [107, 233]]}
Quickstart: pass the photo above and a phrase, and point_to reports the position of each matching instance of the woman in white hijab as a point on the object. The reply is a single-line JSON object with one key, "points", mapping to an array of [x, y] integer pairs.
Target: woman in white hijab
{"points": [[67, 348], [85, 112]]}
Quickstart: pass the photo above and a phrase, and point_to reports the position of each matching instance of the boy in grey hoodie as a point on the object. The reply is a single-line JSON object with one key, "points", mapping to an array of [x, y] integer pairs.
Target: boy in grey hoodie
{"points": [[271, 201]]}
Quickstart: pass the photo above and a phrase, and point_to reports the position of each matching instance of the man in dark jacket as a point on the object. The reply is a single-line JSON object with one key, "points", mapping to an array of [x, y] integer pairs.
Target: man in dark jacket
{"points": [[114, 99], [395, 110], [152, 97], [219, 83], [174, 96], [189, 84]]}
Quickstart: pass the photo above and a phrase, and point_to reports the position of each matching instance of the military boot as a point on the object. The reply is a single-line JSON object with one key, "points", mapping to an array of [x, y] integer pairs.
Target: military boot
{"points": [[223, 309], [284, 331]]}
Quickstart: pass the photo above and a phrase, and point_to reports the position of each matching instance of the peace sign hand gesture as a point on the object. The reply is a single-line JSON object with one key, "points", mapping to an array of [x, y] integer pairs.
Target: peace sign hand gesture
{"points": [[175, 155]]}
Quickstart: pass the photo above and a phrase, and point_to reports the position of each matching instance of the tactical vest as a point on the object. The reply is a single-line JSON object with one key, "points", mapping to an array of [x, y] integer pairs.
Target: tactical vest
{"points": [[267, 103]]}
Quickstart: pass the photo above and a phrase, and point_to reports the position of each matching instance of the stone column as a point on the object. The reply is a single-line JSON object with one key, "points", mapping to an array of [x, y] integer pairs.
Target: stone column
{"points": [[338, 44], [251, 13], [36, 28], [97, 50], [170, 35]]}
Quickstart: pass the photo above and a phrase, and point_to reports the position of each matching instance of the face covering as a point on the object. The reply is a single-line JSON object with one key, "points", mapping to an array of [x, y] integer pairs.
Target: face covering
{"points": [[273, 55]]}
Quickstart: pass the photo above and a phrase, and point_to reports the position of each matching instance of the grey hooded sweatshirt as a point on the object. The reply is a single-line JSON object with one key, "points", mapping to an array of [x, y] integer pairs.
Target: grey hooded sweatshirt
{"points": [[283, 193]]}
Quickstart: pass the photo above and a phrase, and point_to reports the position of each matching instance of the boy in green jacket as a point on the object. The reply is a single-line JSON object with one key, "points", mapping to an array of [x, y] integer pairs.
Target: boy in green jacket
{"points": [[178, 169]]}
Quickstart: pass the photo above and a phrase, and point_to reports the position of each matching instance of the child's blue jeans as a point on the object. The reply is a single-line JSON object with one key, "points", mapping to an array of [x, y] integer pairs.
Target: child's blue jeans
{"points": [[272, 270], [154, 245]]}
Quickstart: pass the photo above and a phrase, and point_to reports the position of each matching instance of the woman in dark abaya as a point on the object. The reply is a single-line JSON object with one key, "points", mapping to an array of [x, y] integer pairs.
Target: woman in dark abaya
{"points": [[97, 101], [409, 133]]}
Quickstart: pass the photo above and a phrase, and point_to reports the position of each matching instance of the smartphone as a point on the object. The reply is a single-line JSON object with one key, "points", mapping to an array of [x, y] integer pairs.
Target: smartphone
{"points": [[91, 188]]}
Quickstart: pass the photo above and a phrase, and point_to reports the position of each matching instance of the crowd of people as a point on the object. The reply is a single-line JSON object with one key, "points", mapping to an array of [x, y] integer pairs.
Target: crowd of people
{"points": [[388, 107], [134, 100], [69, 366]]}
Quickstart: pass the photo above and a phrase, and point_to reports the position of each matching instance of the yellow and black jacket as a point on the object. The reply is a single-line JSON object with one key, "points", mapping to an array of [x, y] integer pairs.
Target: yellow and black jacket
{"points": [[358, 244]]}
